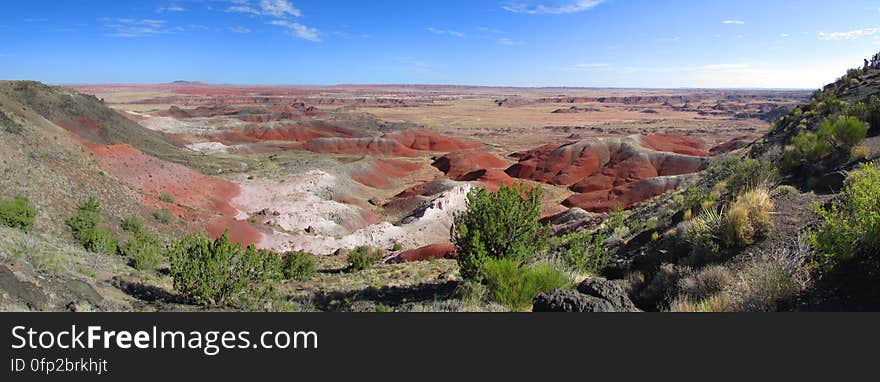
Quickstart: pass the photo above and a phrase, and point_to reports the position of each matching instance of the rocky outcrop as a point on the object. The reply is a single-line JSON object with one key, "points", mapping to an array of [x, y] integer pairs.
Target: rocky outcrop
{"points": [[592, 295]]}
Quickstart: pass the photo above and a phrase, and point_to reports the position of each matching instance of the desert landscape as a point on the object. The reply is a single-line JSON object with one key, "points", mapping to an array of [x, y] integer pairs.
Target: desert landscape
{"points": [[527, 156]]}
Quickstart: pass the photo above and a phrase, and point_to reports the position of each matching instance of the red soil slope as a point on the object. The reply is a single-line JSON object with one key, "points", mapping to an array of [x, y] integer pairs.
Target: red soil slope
{"points": [[433, 251], [427, 140], [612, 171], [480, 166], [196, 196]]}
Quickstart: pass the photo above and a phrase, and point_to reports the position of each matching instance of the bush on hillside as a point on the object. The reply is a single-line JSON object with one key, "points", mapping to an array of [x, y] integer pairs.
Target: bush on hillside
{"points": [[836, 133], [498, 225], [143, 248], [514, 286], [851, 226], [363, 257], [86, 228], [163, 216], [299, 266], [585, 252], [748, 219], [748, 174], [17, 213], [219, 272]]}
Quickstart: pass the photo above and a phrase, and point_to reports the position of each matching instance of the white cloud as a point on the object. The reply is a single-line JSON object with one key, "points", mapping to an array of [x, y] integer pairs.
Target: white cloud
{"points": [[807, 75], [298, 30], [171, 8], [508, 42], [849, 35], [448, 32], [733, 22], [274, 8], [784, 35], [125, 27], [570, 7], [239, 29]]}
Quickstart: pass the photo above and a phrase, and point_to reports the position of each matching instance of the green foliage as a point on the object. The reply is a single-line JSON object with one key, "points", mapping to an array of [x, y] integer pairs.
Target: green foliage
{"points": [[220, 272], [498, 225], [868, 112], [143, 248], [17, 213], [835, 133], [165, 197], [299, 266], [743, 174], [516, 287], [397, 247], [851, 226], [703, 233], [585, 252], [132, 224], [749, 174], [86, 228], [363, 257], [163, 216]]}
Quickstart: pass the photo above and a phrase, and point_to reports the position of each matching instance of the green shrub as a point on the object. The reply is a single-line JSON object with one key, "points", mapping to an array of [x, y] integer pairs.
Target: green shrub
{"points": [[703, 233], [143, 248], [132, 224], [163, 216], [585, 252], [516, 287], [851, 226], [86, 228], [17, 213], [298, 266], [165, 197], [397, 247], [497, 225], [748, 174], [843, 131], [835, 133], [220, 272], [363, 257]]}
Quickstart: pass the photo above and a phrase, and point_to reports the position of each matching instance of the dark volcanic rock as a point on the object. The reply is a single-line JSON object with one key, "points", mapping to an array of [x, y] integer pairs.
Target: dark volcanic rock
{"points": [[608, 291], [562, 300]]}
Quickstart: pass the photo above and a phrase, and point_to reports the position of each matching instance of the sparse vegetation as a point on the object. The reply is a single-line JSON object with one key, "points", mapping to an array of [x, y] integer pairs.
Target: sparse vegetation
{"points": [[834, 134], [163, 216], [748, 219], [498, 225], [584, 252], [299, 266], [514, 286], [17, 213], [143, 248], [165, 197], [363, 257], [86, 227], [219, 272], [852, 226]]}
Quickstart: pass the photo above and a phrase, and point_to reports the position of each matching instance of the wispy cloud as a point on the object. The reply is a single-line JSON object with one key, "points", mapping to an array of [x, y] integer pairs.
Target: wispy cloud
{"points": [[587, 67], [126, 27], [849, 35], [298, 30], [541, 9], [733, 22], [171, 8], [508, 42], [239, 29], [273, 8], [447, 32]]}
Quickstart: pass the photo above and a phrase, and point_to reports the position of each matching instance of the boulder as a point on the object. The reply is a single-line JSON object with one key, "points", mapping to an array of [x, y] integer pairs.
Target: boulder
{"points": [[608, 291], [564, 300]]}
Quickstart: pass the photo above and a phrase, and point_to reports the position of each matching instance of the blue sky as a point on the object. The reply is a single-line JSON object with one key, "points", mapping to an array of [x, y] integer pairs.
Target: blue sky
{"points": [[596, 43]]}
